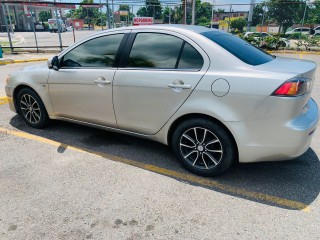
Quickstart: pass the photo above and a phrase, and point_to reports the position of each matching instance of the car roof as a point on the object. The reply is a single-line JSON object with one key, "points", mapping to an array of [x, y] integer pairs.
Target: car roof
{"points": [[181, 27]]}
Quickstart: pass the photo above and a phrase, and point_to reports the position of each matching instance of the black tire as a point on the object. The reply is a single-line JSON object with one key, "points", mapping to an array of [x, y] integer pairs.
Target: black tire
{"points": [[282, 44], [31, 108], [213, 149]]}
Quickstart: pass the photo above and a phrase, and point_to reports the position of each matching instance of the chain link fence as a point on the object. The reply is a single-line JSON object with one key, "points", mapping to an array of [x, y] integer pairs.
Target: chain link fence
{"points": [[54, 25]]}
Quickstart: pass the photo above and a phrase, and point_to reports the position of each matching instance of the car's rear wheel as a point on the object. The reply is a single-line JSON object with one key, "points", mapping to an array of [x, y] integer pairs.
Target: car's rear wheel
{"points": [[203, 147], [31, 108]]}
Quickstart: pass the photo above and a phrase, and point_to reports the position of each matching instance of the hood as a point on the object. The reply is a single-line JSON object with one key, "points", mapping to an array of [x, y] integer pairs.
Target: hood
{"points": [[39, 66]]}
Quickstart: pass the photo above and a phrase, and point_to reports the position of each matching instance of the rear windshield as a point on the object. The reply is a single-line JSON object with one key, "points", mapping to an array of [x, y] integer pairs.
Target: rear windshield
{"points": [[239, 48]]}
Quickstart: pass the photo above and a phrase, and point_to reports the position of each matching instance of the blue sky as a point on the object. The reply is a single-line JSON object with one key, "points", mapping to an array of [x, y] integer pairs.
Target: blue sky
{"points": [[234, 7]]}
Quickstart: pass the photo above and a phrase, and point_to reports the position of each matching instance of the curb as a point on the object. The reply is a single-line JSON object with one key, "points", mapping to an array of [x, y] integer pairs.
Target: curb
{"points": [[296, 52], [10, 61]]}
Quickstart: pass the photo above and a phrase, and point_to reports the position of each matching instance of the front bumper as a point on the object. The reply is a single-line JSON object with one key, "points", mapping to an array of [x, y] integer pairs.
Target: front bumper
{"points": [[9, 92]]}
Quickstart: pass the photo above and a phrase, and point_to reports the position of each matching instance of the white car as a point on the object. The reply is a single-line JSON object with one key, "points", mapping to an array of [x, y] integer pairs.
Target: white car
{"points": [[214, 98], [259, 35], [317, 30], [302, 30]]}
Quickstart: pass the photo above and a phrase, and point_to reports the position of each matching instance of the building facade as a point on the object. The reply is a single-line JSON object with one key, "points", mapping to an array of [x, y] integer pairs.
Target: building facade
{"points": [[23, 16]]}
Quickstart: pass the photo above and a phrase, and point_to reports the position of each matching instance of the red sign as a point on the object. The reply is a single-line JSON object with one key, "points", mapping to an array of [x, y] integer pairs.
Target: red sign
{"points": [[142, 21], [90, 6], [59, 5], [66, 6]]}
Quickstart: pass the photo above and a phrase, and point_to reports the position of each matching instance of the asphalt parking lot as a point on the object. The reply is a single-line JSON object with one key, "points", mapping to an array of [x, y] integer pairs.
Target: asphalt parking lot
{"points": [[74, 182]]}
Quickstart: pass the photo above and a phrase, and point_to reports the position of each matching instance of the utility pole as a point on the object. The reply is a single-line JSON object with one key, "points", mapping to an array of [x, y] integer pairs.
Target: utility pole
{"points": [[193, 11], [170, 15], [213, 2], [229, 18], [5, 19], [184, 11], [8, 11], [108, 15], [112, 14], [58, 24], [250, 15], [304, 14], [101, 16], [262, 22], [34, 28]]}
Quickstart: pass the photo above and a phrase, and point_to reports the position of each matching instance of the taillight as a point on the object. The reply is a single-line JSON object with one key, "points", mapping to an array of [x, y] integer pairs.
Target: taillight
{"points": [[294, 87]]}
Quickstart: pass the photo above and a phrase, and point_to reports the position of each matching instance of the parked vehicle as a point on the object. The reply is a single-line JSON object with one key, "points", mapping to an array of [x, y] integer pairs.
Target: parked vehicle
{"points": [[261, 35], [39, 26], [211, 96], [316, 30], [56, 25], [302, 30]]}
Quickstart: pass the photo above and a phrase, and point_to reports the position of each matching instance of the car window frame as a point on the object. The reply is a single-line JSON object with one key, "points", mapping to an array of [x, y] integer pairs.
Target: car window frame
{"points": [[117, 56], [123, 63]]}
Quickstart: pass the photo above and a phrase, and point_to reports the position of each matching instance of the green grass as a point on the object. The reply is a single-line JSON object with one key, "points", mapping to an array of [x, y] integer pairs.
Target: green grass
{"points": [[6, 44], [317, 37]]}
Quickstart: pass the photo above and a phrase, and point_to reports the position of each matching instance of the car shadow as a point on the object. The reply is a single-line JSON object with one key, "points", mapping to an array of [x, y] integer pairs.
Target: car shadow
{"points": [[294, 181]]}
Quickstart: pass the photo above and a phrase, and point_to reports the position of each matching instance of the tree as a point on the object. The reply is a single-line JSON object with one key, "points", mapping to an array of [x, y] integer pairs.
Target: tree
{"points": [[142, 12], [313, 15], [258, 12], [90, 15], [125, 7], [166, 13], [203, 13], [153, 8], [177, 16], [70, 13], [44, 16], [238, 24], [285, 12]]}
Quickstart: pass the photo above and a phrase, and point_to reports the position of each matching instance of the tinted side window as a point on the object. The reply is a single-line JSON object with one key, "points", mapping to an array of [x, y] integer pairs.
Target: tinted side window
{"points": [[98, 52], [239, 48], [155, 50], [190, 58]]}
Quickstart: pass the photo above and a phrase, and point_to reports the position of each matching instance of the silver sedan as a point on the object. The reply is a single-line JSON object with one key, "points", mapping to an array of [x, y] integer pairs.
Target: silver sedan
{"points": [[214, 98]]}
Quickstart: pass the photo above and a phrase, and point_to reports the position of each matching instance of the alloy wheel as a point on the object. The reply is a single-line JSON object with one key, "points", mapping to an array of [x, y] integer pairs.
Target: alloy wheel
{"points": [[201, 148], [30, 108]]}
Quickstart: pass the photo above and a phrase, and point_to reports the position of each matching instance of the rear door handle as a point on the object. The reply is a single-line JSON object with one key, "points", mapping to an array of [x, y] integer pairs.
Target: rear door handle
{"points": [[102, 81], [182, 86]]}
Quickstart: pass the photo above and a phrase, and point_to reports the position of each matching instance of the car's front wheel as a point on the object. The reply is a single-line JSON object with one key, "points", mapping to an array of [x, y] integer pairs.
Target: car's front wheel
{"points": [[31, 108], [203, 147]]}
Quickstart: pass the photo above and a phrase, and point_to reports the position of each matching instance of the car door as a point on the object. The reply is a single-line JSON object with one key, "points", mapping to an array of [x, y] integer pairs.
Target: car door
{"points": [[160, 71], [82, 88]]}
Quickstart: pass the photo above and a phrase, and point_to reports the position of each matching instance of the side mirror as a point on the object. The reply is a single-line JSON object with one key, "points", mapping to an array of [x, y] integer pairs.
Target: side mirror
{"points": [[54, 63]]}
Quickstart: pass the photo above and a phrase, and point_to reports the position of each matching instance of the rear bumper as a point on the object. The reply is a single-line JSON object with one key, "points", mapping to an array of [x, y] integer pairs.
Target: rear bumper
{"points": [[258, 142]]}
